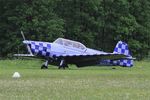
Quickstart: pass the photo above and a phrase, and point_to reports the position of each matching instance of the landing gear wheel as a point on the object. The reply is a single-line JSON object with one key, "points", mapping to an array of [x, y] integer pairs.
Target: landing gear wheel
{"points": [[63, 64], [44, 67]]}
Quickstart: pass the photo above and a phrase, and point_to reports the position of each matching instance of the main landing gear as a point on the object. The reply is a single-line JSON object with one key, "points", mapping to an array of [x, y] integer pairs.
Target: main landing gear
{"points": [[63, 64], [45, 65]]}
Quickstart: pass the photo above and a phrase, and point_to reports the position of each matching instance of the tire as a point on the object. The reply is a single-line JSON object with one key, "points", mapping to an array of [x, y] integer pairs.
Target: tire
{"points": [[44, 67]]}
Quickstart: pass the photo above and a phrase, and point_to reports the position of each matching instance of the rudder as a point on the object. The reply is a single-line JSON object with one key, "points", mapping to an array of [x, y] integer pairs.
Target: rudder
{"points": [[122, 48]]}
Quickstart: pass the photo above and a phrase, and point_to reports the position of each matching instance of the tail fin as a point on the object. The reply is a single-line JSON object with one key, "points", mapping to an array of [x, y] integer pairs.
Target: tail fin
{"points": [[122, 48]]}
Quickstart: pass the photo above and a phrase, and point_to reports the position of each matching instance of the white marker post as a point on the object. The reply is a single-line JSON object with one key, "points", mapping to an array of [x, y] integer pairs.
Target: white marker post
{"points": [[16, 75]]}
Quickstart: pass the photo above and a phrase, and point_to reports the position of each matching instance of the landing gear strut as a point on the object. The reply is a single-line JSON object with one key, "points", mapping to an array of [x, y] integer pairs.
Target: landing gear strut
{"points": [[45, 65], [63, 64]]}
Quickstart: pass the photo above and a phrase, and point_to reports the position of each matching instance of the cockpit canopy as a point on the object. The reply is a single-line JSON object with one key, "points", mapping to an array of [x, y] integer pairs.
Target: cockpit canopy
{"points": [[70, 43]]}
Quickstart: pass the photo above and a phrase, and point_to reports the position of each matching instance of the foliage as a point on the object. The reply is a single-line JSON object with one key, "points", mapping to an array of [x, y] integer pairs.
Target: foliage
{"points": [[96, 23], [35, 17]]}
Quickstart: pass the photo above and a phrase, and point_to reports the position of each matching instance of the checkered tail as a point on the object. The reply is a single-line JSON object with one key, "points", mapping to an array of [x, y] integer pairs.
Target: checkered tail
{"points": [[122, 48]]}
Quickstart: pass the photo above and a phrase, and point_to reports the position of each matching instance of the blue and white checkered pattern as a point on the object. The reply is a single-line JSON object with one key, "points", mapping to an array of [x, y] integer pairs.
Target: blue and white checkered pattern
{"points": [[122, 62], [121, 48], [41, 48], [126, 62]]}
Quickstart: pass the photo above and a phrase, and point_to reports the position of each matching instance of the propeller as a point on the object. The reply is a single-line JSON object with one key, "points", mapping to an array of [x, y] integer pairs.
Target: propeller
{"points": [[28, 47]]}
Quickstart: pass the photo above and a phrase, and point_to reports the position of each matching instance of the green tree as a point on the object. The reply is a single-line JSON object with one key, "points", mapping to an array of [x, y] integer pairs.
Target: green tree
{"points": [[118, 23], [80, 21], [96, 23], [35, 17], [140, 40]]}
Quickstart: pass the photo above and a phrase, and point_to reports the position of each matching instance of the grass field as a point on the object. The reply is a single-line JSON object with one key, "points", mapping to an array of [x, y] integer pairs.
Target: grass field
{"points": [[90, 83]]}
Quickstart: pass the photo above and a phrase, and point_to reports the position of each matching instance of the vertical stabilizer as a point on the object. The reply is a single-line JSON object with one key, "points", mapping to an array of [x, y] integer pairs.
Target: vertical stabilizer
{"points": [[122, 48]]}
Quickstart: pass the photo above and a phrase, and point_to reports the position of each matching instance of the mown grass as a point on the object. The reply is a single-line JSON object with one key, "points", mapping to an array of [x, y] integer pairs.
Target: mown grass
{"points": [[90, 83]]}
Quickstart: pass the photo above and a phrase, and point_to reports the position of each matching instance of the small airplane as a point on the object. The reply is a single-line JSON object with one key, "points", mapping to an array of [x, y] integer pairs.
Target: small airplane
{"points": [[62, 52]]}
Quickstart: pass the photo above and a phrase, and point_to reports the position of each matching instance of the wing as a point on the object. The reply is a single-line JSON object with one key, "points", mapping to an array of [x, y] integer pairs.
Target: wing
{"points": [[23, 55], [87, 59]]}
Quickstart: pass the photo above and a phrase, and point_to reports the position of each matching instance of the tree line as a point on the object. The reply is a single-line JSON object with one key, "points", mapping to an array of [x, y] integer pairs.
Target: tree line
{"points": [[98, 24]]}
